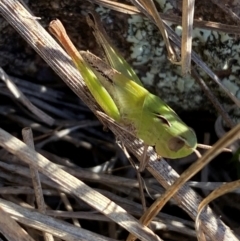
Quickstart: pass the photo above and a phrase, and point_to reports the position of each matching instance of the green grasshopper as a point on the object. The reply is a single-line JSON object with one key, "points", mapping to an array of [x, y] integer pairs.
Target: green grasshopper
{"points": [[121, 95]]}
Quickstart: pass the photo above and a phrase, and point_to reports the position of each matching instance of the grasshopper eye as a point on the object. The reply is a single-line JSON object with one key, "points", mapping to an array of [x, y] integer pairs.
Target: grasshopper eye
{"points": [[176, 143], [163, 119]]}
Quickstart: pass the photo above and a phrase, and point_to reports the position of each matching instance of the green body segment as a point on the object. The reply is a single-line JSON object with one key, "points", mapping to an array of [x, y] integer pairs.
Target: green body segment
{"points": [[100, 94], [165, 130], [114, 58], [120, 64]]}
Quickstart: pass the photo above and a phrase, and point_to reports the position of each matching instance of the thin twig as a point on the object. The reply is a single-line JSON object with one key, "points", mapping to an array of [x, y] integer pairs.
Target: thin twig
{"points": [[28, 139], [222, 5], [197, 23], [187, 26], [68, 206], [24, 100], [140, 180], [148, 8], [213, 99]]}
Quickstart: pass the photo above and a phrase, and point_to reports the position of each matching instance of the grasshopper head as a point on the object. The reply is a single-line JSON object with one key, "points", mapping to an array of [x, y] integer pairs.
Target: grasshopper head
{"points": [[171, 137]]}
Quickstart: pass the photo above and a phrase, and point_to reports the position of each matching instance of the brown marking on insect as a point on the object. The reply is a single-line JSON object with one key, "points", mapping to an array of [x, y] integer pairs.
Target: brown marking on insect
{"points": [[163, 119], [176, 143]]}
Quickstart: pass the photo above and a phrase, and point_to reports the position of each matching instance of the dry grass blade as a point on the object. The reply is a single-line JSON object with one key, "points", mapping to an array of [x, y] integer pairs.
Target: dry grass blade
{"points": [[28, 139], [11, 230], [216, 26], [213, 99], [124, 8], [224, 6], [140, 180], [58, 228], [24, 100], [187, 26], [149, 9], [54, 55], [69, 208], [116, 6], [225, 188], [156, 207], [75, 186]]}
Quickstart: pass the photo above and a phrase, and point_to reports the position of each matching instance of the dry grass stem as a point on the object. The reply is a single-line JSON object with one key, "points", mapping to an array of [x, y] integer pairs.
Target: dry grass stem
{"points": [[28, 139], [187, 26], [24, 100], [149, 9], [11, 230]]}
